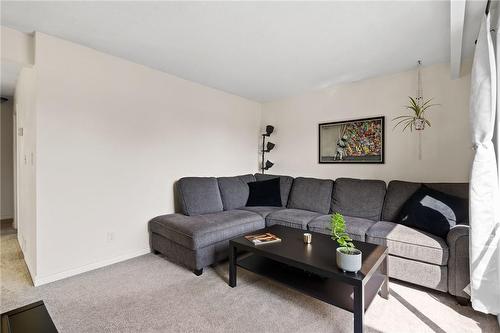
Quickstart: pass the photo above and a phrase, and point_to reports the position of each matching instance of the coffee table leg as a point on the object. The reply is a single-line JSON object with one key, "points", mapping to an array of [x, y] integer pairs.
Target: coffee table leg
{"points": [[384, 290], [359, 309], [232, 266]]}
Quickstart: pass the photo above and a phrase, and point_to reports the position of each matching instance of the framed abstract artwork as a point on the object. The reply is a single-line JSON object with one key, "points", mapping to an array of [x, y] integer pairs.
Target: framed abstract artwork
{"points": [[352, 141]]}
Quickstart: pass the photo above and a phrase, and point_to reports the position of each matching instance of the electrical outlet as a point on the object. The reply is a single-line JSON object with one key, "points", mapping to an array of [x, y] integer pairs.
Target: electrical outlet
{"points": [[110, 236]]}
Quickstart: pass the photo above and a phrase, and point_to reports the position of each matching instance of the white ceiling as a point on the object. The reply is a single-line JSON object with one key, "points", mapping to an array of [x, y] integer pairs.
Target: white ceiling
{"points": [[259, 50]]}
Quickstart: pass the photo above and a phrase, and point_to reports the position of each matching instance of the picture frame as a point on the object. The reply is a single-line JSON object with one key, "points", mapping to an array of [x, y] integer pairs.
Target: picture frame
{"points": [[356, 141]]}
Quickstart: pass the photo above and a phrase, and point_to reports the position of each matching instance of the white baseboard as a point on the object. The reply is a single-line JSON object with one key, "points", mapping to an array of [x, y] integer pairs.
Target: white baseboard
{"points": [[39, 280]]}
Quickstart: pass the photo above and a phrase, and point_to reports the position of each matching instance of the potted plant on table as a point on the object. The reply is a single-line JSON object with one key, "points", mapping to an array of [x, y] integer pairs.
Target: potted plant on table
{"points": [[348, 257]]}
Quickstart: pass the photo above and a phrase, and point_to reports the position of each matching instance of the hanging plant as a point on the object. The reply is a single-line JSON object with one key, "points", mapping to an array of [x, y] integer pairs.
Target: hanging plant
{"points": [[417, 119]]}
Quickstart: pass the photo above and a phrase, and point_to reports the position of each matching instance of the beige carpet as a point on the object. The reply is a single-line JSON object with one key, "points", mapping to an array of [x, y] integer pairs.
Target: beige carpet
{"points": [[150, 294], [15, 281]]}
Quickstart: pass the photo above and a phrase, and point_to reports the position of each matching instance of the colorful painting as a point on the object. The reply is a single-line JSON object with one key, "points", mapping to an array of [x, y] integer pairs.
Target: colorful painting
{"points": [[353, 141]]}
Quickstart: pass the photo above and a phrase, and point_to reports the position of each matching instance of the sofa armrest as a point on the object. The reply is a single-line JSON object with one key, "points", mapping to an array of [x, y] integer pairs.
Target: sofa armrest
{"points": [[458, 262], [460, 230]]}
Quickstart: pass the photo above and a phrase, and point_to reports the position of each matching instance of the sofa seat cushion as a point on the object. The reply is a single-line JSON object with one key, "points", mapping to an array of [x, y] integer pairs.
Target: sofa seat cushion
{"points": [[409, 243], [295, 218], [358, 197], [311, 194], [195, 232], [356, 227], [262, 210]]}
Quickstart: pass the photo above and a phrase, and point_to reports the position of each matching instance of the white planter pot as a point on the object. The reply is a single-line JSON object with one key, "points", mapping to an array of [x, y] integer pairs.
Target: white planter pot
{"points": [[420, 124], [349, 262]]}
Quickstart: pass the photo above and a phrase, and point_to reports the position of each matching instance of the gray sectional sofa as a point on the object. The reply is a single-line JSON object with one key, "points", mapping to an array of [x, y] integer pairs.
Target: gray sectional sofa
{"points": [[213, 211]]}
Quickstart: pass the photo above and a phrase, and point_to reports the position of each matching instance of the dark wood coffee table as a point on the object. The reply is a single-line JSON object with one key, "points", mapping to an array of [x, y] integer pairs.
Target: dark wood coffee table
{"points": [[30, 318], [312, 269]]}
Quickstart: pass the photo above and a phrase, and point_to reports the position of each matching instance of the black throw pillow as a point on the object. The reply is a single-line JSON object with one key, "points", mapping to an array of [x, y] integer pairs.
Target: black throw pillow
{"points": [[264, 193], [433, 211]]}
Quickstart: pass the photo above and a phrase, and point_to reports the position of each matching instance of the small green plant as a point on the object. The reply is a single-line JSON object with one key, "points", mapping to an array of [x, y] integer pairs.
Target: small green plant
{"points": [[339, 234], [418, 110]]}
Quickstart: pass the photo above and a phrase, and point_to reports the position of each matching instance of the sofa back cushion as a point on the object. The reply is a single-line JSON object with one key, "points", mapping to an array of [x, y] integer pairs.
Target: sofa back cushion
{"points": [[433, 211], [311, 194], [358, 197], [199, 195], [234, 191], [285, 185], [398, 192]]}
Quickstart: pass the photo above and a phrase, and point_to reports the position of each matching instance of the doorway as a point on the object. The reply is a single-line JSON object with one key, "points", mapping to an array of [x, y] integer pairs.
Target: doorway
{"points": [[7, 196], [15, 278]]}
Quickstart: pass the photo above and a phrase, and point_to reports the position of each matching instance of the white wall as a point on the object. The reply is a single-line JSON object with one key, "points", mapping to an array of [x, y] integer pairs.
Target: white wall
{"points": [[25, 99], [17, 51], [446, 146], [16, 46], [105, 140], [7, 161], [112, 137]]}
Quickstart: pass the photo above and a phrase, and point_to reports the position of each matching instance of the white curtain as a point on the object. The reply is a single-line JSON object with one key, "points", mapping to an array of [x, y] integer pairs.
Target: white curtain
{"points": [[484, 182]]}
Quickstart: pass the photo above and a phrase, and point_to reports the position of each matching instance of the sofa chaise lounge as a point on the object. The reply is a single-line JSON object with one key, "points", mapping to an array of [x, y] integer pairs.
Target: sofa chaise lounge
{"points": [[213, 211]]}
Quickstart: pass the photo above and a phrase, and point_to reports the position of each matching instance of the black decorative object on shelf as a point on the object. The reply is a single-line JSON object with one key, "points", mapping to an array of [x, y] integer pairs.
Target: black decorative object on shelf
{"points": [[269, 147], [266, 148], [269, 130], [269, 165]]}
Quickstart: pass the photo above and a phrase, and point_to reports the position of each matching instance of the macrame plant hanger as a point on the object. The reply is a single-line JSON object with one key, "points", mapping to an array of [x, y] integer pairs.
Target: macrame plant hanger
{"points": [[420, 99]]}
